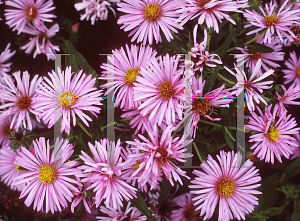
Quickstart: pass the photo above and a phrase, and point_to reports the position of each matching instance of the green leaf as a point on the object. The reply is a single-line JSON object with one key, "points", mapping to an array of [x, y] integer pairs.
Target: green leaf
{"points": [[164, 191], [228, 137], [140, 204], [293, 169], [274, 211], [221, 51], [260, 48], [296, 213]]}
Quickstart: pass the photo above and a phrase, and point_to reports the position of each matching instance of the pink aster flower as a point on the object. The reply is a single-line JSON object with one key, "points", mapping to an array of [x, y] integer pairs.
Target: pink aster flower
{"points": [[273, 137], [95, 9], [126, 67], [271, 21], [9, 170], [251, 57], [148, 17], [47, 175], [289, 96], [70, 93], [33, 12], [19, 100], [41, 41], [157, 154], [210, 11], [231, 186], [186, 211], [4, 56], [83, 196], [296, 148], [130, 213], [160, 88], [202, 105], [250, 85], [106, 180], [293, 71]]}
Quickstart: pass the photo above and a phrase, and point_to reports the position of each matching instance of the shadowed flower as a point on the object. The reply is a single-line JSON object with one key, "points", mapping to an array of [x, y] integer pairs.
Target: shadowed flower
{"points": [[47, 175], [293, 71], [226, 183], [296, 148], [272, 22], [273, 137], [4, 56], [41, 42], [289, 96], [148, 17], [186, 211], [24, 12], [69, 92]]}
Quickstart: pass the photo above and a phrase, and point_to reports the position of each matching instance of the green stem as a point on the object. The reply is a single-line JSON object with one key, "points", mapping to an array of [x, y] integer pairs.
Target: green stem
{"points": [[225, 79], [83, 128], [208, 41], [198, 153], [227, 131], [230, 49], [211, 123], [253, 39]]}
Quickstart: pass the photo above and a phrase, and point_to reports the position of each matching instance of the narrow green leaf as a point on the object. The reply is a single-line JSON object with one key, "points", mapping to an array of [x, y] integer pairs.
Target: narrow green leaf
{"points": [[260, 48], [140, 204], [221, 51], [296, 213], [164, 191]]}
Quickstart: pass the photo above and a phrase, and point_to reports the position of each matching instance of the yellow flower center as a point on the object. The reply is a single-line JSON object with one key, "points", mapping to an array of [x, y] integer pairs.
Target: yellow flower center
{"points": [[225, 187], [271, 20], [298, 72], [166, 90], [136, 165], [47, 174], [68, 99], [272, 134], [201, 3], [31, 13], [24, 102], [17, 167], [200, 106], [255, 55], [152, 12], [130, 75]]}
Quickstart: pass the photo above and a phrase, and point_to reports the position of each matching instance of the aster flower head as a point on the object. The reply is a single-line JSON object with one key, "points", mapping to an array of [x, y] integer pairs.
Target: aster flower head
{"points": [[95, 9], [268, 59], [147, 17], [126, 67], [34, 12], [41, 41], [160, 88], [186, 211], [293, 71], [296, 148], [9, 170], [19, 100], [273, 22], [67, 94], [47, 175], [273, 137], [106, 174], [225, 183], [4, 56], [83, 196], [250, 86], [210, 11], [290, 94], [156, 155]]}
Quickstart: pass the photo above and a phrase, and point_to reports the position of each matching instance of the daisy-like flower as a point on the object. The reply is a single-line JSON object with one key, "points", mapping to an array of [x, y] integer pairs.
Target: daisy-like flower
{"points": [[126, 67], [156, 155], [250, 85], [4, 56], [272, 22], [273, 137], [296, 147], [160, 88], [47, 175], [41, 42], [289, 96], [293, 71], [186, 211], [227, 184], [267, 59], [130, 213], [9, 170], [70, 93], [148, 17], [106, 174], [33, 12], [202, 105], [95, 9], [210, 11], [19, 100], [82, 196]]}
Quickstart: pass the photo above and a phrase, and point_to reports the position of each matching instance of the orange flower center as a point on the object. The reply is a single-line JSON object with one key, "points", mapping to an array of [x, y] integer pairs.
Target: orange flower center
{"points": [[298, 72], [190, 213], [42, 38], [163, 155], [201, 3], [152, 12], [5, 130], [271, 20], [255, 55], [24, 102], [130, 75], [200, 105], [166, 90], [31, 13], [225, 187]]}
